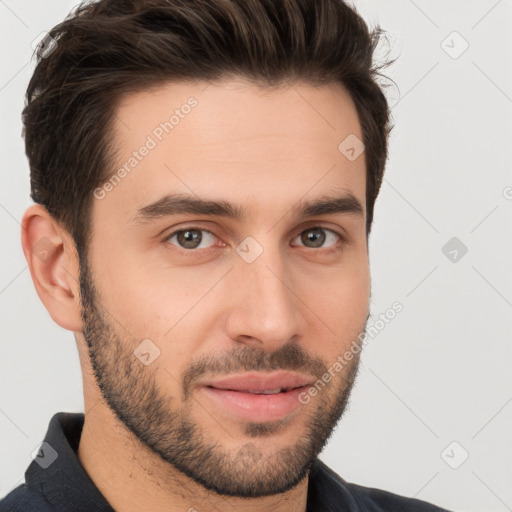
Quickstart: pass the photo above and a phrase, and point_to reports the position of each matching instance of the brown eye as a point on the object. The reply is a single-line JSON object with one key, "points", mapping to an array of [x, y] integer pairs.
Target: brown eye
{"points": [[189, 238]]}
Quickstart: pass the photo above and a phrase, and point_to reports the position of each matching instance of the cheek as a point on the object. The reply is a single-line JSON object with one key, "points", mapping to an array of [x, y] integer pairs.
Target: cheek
{"points": [[150, 300], [133, 300], [341, 302], [344, 304]]}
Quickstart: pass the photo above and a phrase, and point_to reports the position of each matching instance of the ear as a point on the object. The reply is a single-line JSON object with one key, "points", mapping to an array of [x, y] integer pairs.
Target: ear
{"points": [[53, 261]]}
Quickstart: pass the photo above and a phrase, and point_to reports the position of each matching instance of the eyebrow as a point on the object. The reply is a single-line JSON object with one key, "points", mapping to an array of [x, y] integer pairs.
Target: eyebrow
{"points": [[175, 204]]}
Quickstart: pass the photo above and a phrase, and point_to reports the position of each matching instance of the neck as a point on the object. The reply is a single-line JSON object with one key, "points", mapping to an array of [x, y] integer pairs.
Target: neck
{"points": [[133, 478]]}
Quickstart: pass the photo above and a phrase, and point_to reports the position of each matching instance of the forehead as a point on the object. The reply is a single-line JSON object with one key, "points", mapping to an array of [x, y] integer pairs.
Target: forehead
{"points": [[233, 140], [225, 112]]}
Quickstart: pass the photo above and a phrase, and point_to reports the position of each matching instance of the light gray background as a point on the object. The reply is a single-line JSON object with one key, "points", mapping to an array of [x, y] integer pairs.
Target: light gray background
{"points": [[440, 371]]}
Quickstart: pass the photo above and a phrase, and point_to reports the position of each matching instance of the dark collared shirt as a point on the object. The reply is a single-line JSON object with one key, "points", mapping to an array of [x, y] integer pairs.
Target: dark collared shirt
{"points": [[56, 481]]}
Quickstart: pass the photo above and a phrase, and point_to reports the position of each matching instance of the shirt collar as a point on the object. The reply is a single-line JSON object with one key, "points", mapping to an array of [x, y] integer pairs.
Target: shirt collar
{"points": [[56, 471]]}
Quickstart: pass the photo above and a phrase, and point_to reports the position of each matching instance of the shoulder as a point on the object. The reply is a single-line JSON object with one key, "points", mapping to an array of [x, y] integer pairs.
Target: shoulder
{"points": [[24, 499], [378, 500], [332, 490]]}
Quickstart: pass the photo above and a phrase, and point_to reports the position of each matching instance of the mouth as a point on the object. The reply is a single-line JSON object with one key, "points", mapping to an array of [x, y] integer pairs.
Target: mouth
{"points": [[258, 391], [258, 397], [257, 383]]}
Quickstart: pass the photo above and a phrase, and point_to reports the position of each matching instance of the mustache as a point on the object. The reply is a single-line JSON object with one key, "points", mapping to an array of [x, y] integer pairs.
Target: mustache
{"points": [[290, 357]]}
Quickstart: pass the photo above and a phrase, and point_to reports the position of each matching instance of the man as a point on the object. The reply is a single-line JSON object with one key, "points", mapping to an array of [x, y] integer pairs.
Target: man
{"points": [[205, 175]]}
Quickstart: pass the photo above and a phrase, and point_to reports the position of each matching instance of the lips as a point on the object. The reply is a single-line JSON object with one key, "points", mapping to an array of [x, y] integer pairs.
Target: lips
{"points": [[262, 383], [256, 397]]}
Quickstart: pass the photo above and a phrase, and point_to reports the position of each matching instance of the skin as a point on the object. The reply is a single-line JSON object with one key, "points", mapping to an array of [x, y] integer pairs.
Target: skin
{"points": [[152, 440]]}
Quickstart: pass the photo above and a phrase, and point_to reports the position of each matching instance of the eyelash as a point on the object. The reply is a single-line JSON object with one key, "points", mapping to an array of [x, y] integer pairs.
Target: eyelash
{"points": [[328, 250]]}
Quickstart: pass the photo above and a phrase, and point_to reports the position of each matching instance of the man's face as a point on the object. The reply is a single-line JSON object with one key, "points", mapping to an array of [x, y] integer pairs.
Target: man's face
{"points": [[175, 302]]}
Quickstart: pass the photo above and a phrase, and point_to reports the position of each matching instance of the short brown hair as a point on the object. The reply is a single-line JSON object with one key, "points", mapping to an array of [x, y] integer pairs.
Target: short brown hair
{"points": [[108, 48]]}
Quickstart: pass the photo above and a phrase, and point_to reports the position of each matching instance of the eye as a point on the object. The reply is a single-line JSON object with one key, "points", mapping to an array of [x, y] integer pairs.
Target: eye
{"points": [[190, 238], [315, 237]]}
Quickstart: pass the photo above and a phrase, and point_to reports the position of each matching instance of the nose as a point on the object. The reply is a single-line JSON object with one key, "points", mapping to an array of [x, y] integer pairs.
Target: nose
{"points": [[264, 309]]}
